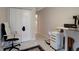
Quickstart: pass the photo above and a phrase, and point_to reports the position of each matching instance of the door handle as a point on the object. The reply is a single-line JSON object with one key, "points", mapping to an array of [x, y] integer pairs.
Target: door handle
{"points": [[23, 28]]}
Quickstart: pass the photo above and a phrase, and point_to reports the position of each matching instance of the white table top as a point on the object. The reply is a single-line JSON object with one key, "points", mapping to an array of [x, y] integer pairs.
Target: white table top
{"points": [[71, 29]]}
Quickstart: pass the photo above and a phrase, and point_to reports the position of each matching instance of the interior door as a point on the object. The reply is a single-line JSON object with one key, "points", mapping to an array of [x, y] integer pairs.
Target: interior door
{"points": [[20, 22], [26, 25], [16, 22]]}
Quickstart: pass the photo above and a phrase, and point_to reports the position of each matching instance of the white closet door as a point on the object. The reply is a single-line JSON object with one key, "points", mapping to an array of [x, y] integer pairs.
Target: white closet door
{"points": [[26, 23], [20, 18], [16, 22]]}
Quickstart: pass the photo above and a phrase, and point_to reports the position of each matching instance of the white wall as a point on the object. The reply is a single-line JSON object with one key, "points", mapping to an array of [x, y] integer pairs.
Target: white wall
{"points": [[50, 18], [3, 15], [33, 23]]}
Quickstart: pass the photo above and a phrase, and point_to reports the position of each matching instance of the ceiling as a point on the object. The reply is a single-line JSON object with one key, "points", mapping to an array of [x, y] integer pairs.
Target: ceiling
{"points": [[37, 8]]}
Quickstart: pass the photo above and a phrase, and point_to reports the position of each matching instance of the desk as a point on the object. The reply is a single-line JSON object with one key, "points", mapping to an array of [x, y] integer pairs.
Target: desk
{"points": [[72, 32]]}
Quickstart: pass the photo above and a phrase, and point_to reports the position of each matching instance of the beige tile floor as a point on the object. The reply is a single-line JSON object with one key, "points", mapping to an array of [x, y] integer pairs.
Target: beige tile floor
{"points": [[42, 43], [39, 41]]}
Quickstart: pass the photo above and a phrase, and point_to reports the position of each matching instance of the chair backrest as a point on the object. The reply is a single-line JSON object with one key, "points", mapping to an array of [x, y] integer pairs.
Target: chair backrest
{"points": [[5, 30]]}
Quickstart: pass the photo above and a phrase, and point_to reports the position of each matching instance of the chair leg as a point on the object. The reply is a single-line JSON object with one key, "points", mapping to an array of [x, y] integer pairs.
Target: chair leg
{"points": [[18, 45], [10, 49], [6, 48], [17, 48], [13, 46]]}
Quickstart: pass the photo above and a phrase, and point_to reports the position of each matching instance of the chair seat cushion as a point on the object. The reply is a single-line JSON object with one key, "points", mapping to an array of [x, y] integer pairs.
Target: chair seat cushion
{"points": [[12, 39]]}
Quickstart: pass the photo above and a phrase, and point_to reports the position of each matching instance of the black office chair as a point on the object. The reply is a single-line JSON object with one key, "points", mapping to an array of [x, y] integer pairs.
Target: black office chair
{"points": [[4, 37]]}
